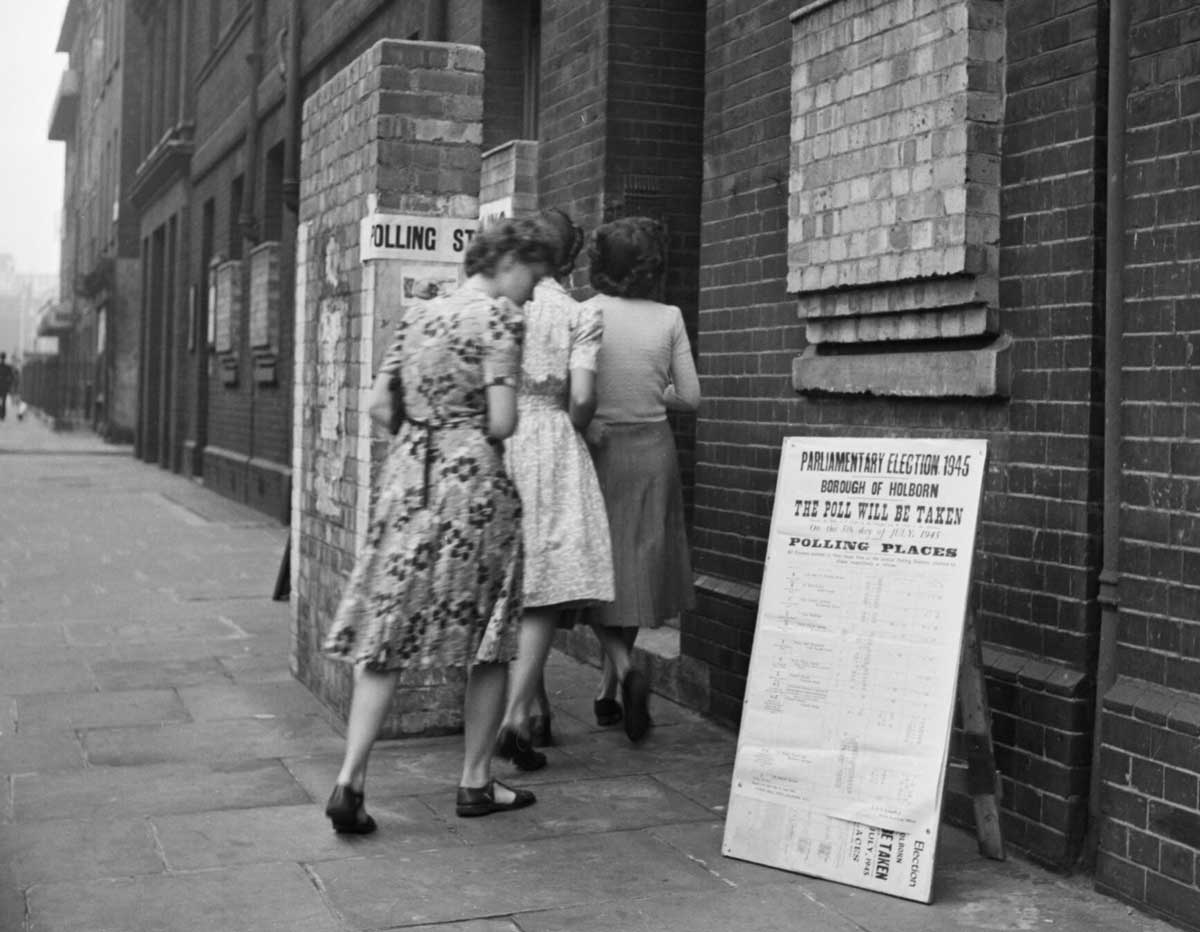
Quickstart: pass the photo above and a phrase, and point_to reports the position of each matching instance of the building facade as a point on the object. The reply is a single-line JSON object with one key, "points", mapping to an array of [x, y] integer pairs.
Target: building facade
{"points": [[916, 218], [96, 317]]}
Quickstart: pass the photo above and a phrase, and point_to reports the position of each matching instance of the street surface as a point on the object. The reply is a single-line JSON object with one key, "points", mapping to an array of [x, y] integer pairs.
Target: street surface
{"points": [[163, 772]]}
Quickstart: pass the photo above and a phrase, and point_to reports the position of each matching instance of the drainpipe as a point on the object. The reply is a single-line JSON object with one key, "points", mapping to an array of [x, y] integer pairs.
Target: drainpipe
{"points": [[292, 112], [435, 21], [254, 58], [1114, 328]]}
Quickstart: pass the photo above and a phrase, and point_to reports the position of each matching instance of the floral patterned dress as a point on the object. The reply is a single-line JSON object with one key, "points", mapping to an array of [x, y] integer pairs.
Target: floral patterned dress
{"points": [[438, 582], [568, 552]]}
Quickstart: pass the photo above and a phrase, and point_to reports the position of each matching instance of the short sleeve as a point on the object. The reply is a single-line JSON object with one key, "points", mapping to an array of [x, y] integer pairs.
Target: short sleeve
{"points": [[504, 338], [392, 358], [585, 341]]}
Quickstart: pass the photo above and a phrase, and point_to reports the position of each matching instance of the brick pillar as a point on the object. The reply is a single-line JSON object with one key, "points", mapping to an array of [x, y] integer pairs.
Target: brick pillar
{"points": [[509, 185], [391, 142]]}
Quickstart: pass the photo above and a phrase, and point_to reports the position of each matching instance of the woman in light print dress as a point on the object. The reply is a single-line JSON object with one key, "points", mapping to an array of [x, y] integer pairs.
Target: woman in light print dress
{"points": [[568, 556], [438, 582], [645, 369]]}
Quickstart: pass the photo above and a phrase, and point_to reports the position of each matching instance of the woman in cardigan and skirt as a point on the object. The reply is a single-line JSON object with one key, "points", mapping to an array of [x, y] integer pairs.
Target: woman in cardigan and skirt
{"points": [[644, 370]]}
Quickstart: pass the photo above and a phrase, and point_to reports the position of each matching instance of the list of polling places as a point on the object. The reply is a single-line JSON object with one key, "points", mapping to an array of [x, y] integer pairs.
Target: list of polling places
{"points": [[852, 676]]}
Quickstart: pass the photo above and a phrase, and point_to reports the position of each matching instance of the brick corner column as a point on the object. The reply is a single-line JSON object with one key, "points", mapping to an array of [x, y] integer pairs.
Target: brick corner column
{"points": [[390, 152]]}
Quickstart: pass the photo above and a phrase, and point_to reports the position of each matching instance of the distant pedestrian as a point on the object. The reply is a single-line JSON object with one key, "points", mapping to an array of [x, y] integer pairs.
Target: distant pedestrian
{"points": [[568, 555], [8, 382], [438, 583], [645, 369]]}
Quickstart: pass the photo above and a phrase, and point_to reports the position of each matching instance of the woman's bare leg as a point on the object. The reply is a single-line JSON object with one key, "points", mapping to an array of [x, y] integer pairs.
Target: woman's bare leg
{"points": [[368, 708], [487, 685], [525, 673]]}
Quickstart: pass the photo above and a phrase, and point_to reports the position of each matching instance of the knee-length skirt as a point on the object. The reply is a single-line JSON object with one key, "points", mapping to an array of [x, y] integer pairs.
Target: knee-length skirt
{"points": [[638, 470], [438, 582]]}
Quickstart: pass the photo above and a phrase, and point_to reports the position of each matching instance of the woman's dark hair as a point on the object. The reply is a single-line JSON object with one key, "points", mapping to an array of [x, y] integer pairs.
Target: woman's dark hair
{"points": [[529, 240], [570, 240], [627, 257]]}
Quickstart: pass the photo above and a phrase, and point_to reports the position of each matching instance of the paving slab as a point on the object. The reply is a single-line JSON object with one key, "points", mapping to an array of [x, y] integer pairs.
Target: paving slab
{"points": [[41, 635], [164, 628], [155, 674], [38, 712], [706, 785], [216, 702], [502, 879], [55, 849], [761, 909], [109, 792], [582, 807], [234, 740], [64, 676], [40, 753], [254, 898], [395, 773], [295, 833], [609, 753]]}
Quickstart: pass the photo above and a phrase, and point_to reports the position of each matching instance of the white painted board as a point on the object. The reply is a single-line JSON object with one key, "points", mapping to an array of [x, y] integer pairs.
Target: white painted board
{"points": [[849, 700]]}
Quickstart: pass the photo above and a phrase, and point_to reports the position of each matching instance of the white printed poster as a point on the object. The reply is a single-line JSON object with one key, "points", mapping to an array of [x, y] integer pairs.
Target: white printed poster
{"points": [[845, 729]]}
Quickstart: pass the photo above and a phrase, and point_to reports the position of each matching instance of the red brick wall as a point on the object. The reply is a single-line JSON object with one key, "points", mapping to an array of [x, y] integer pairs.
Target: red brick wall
{"points": [[1037, 562], [1040, 532], [253, 419], [621, 119], [1150, 844], [573, 115]]}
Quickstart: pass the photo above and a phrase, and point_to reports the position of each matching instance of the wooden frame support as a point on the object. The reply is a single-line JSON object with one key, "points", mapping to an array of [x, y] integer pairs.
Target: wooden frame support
{"points": [[977, 777]]}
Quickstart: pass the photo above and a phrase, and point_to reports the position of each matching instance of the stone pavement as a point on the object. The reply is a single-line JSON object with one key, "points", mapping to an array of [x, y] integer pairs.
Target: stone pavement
{"points": [[163, 772]]}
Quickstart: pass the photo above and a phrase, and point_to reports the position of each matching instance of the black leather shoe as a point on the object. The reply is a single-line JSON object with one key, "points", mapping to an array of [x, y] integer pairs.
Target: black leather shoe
{"points": [[481, 800], [635, 692], [607, 712], [345, 811], [511, 746], [539, 731]]}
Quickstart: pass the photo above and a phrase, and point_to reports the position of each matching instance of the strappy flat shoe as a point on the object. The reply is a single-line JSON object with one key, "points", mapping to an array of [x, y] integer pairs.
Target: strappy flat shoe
{"points": [[345, 811], [635, 692], [513, 747], [475, 801], [607, 712]]}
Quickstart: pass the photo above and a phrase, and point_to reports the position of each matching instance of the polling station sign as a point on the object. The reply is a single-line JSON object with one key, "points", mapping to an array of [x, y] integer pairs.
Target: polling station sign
{"points": [[415, 237]]}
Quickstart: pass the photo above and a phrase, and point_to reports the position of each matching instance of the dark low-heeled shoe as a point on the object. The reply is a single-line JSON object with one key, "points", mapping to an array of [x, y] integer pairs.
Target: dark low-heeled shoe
{"points": [[513, 747], [539, 731], [607, 711], [635, 692], [345, 811], [481, 800]]}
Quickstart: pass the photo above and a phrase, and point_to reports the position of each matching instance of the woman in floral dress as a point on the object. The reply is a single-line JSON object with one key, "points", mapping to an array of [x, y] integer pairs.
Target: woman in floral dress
{"points": [[438, 582], [568, 556]]}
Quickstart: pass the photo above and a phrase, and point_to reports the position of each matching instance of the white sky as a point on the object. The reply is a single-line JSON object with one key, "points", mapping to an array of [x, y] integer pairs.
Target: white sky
{"points": [[31, 166]]}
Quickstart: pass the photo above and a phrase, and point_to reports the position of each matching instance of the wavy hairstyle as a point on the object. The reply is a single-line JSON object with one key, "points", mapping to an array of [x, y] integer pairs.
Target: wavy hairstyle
{"points": [[570, 239], [627, 257], [529, 240]]}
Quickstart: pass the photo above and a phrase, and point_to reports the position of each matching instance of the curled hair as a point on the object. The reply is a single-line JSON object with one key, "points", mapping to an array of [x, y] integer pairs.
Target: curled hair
{"points": [[570, 240], [529, 241], [627, 257]]}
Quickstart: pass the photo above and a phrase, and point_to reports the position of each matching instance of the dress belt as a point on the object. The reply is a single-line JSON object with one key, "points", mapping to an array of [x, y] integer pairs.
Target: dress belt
{"points": [[427, 427]]}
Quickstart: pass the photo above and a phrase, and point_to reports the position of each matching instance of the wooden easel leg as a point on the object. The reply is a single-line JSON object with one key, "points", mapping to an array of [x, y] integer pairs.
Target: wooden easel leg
{"points": [[982, 780]]}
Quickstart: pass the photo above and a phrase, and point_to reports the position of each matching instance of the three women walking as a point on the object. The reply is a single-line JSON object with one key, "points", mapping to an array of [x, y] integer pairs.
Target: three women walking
{"points": [[473, 556]]}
